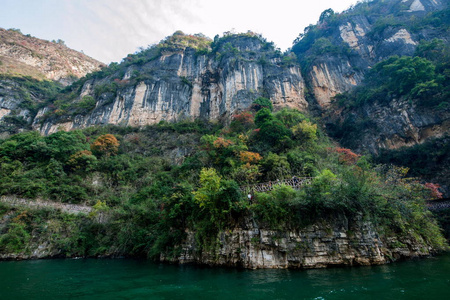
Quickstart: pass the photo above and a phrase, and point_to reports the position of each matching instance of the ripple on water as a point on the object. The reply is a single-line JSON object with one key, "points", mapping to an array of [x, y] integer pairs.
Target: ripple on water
{"points": [[137, 279]]}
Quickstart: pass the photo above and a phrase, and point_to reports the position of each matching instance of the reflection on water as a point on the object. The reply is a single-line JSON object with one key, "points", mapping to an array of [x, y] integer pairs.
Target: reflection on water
{"points": [[135, 279]]}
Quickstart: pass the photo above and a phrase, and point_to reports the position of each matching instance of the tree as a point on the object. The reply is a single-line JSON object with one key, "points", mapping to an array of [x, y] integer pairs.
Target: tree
{"points": [[86, 104], [290, 117], [275, 167], [216, 196], [325, 15], [261, 103], [305, 131], [262, 116], [82, 161], [242, 122], [401, 74], [60, 145], [275, 135], [105, 145]]}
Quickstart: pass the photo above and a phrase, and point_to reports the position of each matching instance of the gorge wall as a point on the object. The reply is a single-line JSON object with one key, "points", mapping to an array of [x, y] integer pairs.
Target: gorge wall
{"points": [[185, 83], [191, 76], [32, 70], [340, 48], [321, 245]]}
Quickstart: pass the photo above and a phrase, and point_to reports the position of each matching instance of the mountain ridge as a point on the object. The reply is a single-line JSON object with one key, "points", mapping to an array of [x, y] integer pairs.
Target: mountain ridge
{"points": [[191, 76]]}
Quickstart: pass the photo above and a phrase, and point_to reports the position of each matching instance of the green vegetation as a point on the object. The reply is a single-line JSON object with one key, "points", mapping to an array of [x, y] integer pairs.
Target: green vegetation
{"points": [[415, 78], [422, 80], [385, 17], [148, 185], [181, 41], [30, 90], [150, 199], [30, 94], [426, 160]]}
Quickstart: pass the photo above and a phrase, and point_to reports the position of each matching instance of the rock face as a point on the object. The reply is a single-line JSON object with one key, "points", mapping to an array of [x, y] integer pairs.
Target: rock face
{"points": [[28, 68], [30, 56], [183, 84], [330, 76], [399, 124], [316, 246], [353, 41], [172, 83], [12, 104]]}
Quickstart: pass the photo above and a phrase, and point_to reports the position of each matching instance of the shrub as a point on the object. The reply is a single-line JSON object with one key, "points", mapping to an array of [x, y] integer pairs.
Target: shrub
{"points": [[242, 122], [82, 161], [305, 132], [86, 104], [105, 145], [262, 116], [261, 103]]}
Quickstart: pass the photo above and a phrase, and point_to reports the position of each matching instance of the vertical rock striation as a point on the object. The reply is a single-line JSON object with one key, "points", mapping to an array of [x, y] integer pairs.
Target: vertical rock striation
{"points": [[185, 84]]}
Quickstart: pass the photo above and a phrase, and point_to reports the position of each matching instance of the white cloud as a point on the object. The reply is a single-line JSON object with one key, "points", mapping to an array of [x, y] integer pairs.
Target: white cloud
{"points": [[110, 29]]}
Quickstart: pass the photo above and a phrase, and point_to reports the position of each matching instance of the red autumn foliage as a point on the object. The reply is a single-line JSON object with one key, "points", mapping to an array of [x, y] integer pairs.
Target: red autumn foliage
{"points": [[121, 82], [347, 156], [242, 122], [434, 189], [244, 118]]}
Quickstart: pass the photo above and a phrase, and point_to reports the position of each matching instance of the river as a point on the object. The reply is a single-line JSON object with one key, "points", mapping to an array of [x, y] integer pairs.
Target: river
{"points": [[139, 279]]}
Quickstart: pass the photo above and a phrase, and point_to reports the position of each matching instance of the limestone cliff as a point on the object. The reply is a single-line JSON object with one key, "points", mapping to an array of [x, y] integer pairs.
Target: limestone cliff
{"points": [[32, 71], [341, 57], [332, 243], [376, 126], [183, 82], [324, 244], [340, 48]]}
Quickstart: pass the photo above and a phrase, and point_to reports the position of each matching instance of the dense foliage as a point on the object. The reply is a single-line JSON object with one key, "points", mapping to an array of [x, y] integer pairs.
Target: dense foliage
{"points": [[149, 185], [423, 79], [428, 160], [29, 94], [382, 16], [150, 199]]}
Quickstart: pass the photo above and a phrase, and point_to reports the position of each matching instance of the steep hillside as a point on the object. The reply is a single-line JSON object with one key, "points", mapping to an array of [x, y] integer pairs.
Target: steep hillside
{"points": [[379, 74], [337, 51], [184, 76], [207, 151], [24, 55], [32, 72], [343, 69], [179, 192]]}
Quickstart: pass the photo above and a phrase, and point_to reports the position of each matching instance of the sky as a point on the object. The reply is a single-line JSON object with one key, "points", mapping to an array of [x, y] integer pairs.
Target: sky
{"points": [[108, 30]]}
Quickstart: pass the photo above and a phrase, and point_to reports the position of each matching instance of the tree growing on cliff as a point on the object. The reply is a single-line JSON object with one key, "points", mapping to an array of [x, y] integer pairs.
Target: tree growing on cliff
{"points": [[261, 103], [105, 145], [216, 196]]}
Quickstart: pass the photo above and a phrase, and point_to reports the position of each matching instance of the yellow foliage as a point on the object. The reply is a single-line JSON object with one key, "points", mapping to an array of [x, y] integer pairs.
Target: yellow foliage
{"points": [[106, 144], [305, 131], [249, 157]]}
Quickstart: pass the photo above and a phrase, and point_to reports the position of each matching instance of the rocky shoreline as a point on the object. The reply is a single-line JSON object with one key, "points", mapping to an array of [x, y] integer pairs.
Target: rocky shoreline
{"points": [[315, 246]]}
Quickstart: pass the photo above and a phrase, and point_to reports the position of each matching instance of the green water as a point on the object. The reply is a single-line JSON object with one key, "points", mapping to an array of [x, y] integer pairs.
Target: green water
{"points": [[137, 279]]}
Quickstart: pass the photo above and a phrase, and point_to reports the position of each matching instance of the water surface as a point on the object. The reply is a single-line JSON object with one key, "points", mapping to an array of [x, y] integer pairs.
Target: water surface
{"points": [[140, 279]]}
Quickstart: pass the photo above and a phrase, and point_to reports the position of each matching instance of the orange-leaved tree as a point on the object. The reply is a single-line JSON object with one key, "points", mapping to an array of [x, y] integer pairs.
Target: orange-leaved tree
{"points": [[105, 145]]}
